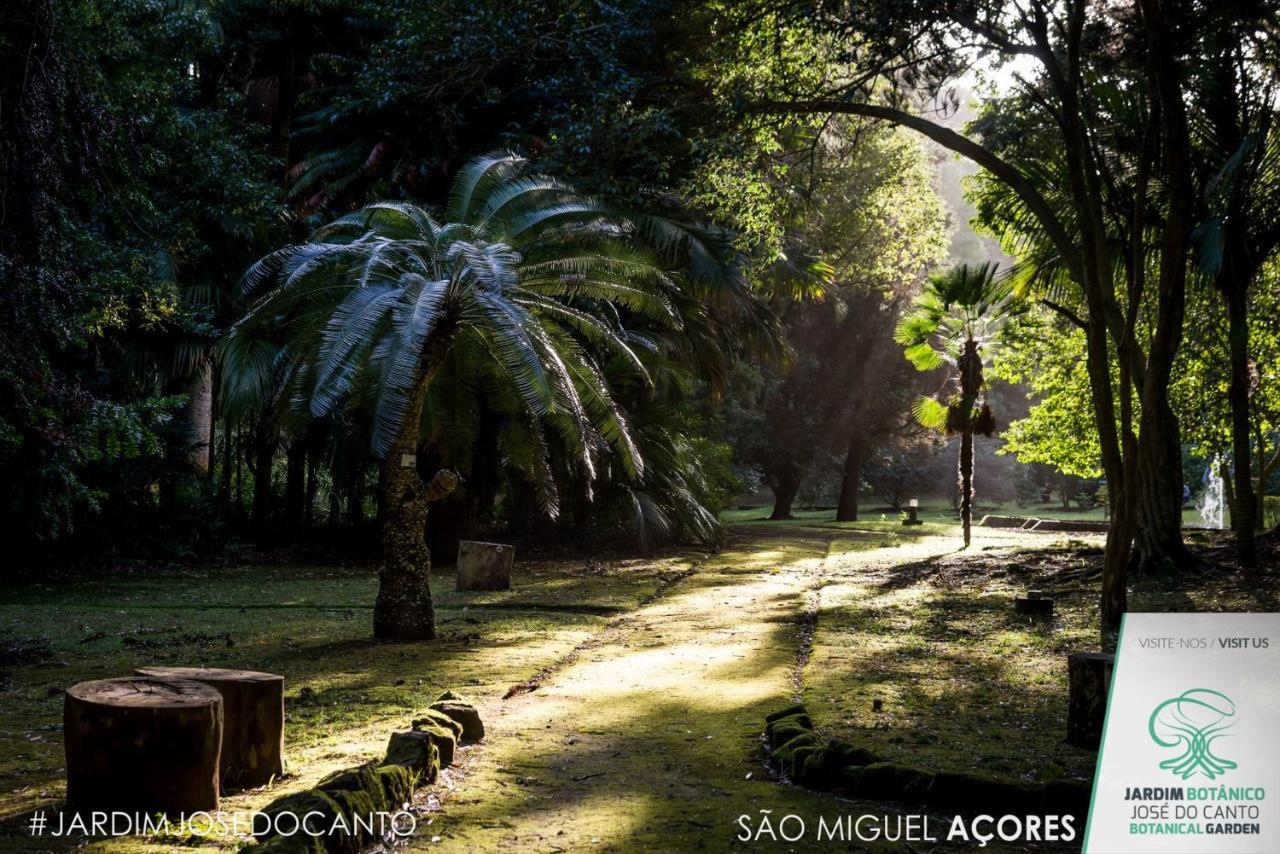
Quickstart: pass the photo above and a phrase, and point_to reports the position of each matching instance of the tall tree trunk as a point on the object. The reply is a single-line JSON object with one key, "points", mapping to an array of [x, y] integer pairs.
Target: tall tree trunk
{"points": [[1118, 455], [295, 486], [1159, 533], [784, 495], [851, 481], [199, 417], [1159, 445], [966, 483], [311, 489], [228, 465], [1242, 508], [335, 496], [1265, 468], [240, 454], [264, 448], [355, 500]]}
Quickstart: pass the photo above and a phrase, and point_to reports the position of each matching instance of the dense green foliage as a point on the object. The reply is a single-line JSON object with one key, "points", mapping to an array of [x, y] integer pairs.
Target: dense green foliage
{"points": [[133, 197], [152, 151]]}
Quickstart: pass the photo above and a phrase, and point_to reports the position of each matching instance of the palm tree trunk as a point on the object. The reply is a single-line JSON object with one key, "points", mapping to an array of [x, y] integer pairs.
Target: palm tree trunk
{"points": [[403, 610], [966, 483]]}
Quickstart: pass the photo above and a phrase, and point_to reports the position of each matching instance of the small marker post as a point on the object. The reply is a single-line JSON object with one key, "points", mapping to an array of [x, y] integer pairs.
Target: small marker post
{"points": [[913, 507]]}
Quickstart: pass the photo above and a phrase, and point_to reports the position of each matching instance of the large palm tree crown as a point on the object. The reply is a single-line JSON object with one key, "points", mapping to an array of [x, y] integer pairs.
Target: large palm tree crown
{"points": [[518, 265]]}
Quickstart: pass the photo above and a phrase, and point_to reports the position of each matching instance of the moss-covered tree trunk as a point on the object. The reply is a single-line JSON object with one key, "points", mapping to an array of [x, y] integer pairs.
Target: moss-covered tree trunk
{"points": [[403, 610]]}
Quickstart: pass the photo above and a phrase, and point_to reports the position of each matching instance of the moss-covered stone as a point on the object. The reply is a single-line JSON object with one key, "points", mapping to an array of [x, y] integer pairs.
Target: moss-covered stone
{"points": [[789, 757], [970, 791], [431, 717], [323, 810], [886, 781], [420, 751], [784, 729], [445, 742], [298, 804], [797, 709], [363, 780], [398, 783], [360, 810], [823, 768], [465, 714], [450, 694]]}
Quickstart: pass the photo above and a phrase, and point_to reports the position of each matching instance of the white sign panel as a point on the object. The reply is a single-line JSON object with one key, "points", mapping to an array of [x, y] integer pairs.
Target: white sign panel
{"points": [[1190, 756]]}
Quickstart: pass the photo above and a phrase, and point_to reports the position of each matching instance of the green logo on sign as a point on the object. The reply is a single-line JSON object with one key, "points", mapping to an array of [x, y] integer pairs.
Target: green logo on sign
{"points": [[1193, 722]]}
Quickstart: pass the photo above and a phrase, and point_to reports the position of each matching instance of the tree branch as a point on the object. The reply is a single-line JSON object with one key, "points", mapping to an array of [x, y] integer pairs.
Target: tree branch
{"points": [[963, 145]]}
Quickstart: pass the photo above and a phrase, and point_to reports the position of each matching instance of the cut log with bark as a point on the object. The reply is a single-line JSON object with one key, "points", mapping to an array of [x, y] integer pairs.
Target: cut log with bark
{"points": [[142, 744], [1090, 681], [484, 566], [253, 720]]}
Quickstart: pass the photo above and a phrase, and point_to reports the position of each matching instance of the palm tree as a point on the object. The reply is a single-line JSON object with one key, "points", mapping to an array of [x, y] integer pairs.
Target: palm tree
{"points": [[516, 271], [955, 321]]}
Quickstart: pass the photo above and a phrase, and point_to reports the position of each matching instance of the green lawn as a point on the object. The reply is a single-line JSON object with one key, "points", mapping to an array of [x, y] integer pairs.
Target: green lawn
{"points": [[656, 673], [937, 510]]}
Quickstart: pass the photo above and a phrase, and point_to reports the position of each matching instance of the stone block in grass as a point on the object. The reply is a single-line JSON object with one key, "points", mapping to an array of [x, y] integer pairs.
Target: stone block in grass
{"points": [[464, 714], [362, 779], [886, 781], [797, 709], [323, 812], [398, 783], [419, 751], [824, 768], [789, 757], [784, 729], [431, 717]]}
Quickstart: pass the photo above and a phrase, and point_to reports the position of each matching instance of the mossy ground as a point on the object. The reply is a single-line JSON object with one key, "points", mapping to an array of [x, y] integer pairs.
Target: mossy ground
{"points": [[646, 682]]}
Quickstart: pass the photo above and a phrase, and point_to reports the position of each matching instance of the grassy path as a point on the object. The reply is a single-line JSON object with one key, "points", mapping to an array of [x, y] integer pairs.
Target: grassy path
{"points": [[645, 738], [648, 738]]}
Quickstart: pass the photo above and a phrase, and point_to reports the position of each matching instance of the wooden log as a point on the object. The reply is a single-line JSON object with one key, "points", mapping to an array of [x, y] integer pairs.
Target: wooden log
{"points": [[253, 720], [141, 744], [484, 566], [1089, 674]]}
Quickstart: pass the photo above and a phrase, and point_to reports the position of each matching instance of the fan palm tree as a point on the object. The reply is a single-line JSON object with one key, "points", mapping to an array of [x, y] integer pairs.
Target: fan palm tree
{"points": [[516, 270], [955, 321]]}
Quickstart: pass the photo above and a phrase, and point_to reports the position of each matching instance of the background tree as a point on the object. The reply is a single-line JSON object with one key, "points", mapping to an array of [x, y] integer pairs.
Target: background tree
{"points": [[956, 321]]}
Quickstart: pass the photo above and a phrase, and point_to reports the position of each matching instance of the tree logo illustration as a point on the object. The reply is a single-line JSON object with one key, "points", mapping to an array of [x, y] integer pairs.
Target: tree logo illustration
{"points": [[1192, 722]]}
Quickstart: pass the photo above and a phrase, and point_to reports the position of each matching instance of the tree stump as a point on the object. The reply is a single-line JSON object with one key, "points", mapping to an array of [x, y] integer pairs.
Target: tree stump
{"points": [[142, 744], [253, 720], [1090, 680], [484, 566]]}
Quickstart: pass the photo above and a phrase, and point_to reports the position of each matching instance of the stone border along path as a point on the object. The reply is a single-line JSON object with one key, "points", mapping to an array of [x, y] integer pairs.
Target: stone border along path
{"points": [[648, 736]]}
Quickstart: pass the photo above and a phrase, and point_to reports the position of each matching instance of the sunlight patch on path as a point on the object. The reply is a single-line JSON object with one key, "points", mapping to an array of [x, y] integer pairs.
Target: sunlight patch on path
{"points": [[647, 739]]}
